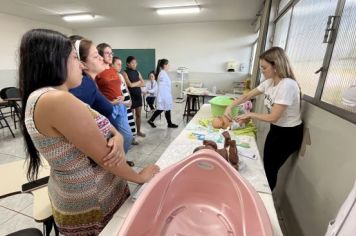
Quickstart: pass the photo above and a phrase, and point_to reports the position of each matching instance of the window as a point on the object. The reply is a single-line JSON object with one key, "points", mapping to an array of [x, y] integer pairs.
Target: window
{"points": [[283, 4], [324, 69], [342, 69], [253, 56], [281, 30], [305, 48]]}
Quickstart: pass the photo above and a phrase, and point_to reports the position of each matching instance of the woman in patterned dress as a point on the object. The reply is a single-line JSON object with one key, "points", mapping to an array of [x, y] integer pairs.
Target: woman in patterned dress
{"points": [[84, 192]]}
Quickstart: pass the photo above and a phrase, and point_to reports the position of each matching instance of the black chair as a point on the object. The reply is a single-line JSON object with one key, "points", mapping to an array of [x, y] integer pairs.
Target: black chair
{"points": [[146, 107], [10, 92], [12, 96], [27, 232], [48, 223], [3, 121]]}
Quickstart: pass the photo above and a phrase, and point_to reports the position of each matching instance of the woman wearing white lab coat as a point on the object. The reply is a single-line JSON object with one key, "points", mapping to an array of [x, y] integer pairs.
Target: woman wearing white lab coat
{"points": [[164, 95]]}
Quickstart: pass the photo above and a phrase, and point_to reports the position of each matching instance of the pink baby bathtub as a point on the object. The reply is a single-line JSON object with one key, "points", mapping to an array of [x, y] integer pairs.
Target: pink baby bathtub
{"points": [[200, 195]]}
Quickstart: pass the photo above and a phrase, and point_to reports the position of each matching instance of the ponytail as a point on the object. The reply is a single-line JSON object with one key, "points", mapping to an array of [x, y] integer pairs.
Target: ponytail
{"points": [[160, 65], [158, 68]]}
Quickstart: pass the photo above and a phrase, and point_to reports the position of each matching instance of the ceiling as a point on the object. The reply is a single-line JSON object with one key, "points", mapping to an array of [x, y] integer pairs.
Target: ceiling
{"points": [[111, 13]]}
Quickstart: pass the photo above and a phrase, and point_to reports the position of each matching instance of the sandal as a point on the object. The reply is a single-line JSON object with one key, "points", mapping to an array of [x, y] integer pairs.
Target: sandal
{"points": [[130, 163]]}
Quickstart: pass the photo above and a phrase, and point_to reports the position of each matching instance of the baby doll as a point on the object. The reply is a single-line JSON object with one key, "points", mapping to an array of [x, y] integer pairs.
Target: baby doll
{"points": [[224, 122], [229, 152]]}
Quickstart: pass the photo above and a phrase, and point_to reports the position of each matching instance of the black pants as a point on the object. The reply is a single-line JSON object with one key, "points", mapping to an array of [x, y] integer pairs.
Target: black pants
{"points": [[167, 114], [150, 101], [280, 143]]}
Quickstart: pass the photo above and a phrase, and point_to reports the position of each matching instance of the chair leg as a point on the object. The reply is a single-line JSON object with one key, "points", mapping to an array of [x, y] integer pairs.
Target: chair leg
{"points": [[14, 116], [17, 112], [187, 107], [6, 124], [48, 225]]}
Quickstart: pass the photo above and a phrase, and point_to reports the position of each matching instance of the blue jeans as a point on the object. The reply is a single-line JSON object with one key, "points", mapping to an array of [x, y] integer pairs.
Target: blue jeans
{"points": [[121, 123]]}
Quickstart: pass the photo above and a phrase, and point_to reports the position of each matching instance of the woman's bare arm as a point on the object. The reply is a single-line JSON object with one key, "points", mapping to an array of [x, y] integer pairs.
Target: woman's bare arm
{"points": [[60, 113]]}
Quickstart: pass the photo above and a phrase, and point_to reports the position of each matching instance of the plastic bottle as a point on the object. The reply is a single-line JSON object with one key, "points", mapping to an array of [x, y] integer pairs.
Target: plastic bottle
{"points": [[214, 89]]}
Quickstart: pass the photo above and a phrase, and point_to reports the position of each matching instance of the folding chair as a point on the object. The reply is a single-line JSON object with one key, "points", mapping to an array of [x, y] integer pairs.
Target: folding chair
{"points": [[16, 171], [3, 121], [146, 107], [27, 232], [12, 95]]}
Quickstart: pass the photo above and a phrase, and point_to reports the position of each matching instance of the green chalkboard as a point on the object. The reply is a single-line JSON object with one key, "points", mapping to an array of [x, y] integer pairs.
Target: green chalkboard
{"points": [[146, 59]]}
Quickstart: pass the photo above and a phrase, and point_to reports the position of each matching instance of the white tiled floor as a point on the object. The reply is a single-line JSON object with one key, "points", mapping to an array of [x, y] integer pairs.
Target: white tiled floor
{"points": [[16, 211]]}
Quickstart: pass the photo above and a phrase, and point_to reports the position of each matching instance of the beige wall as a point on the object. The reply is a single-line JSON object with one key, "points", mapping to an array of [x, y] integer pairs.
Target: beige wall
{"points": [[323, 177], [202, 47], [12, 29]]}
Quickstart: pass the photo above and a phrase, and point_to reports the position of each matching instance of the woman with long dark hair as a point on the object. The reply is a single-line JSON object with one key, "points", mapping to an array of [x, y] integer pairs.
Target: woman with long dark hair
{"points": [[72, 137], [283, 102], [164, 94]]}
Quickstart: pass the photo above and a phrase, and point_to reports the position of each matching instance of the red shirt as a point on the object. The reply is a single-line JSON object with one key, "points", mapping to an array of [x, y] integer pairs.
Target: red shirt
{"points": [[109, 83]]}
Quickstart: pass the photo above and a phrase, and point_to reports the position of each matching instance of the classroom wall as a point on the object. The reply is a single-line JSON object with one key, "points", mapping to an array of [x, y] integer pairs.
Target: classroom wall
{"points": [[12, 29], [204, 48]]}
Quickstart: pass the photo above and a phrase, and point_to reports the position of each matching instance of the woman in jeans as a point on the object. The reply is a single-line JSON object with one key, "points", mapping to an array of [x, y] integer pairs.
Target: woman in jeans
{"points": [[109, 84]]}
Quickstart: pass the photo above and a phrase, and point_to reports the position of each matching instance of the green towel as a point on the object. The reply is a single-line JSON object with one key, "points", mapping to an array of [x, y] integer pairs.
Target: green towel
{"points": [[205, 122], [250, 130]]}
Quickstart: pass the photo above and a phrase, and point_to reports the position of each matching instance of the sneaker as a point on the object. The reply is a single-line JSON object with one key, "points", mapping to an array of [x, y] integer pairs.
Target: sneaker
{"points": [[151, 124], [130, 163], [172, 126], [141, 135], [134, 142]]}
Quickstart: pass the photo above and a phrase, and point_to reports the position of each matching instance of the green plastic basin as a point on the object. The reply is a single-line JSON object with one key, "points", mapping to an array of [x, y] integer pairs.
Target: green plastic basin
{"points": [[219, 104]]}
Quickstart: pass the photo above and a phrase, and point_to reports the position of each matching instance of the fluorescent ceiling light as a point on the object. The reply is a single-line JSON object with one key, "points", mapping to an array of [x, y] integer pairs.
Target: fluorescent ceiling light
{"points": [[78, 17], [178, 10]]}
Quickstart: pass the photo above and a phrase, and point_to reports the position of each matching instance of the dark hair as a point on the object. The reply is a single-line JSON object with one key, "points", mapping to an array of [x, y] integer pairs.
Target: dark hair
{"points": [[160, 64], [114, 59], [151, 72], [101, 47], [75, 37], [43, 62], [129, 59]]}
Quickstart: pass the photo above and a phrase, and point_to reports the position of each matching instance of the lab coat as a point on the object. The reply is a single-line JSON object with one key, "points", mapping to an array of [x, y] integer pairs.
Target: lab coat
{"points": [[164, 94], [151, 90]]}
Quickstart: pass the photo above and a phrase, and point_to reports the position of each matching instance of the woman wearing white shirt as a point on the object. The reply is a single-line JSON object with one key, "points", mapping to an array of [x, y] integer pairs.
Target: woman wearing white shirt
{"points": [[283, 102], [151, 90], [164, 95]]}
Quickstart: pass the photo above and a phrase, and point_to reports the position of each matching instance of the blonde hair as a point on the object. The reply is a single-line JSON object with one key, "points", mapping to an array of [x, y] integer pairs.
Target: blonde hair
{"points": [[278, 58]]}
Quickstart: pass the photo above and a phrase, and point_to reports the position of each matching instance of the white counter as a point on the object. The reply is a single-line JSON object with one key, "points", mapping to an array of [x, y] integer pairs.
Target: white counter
{"points": [[184, 144]]}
